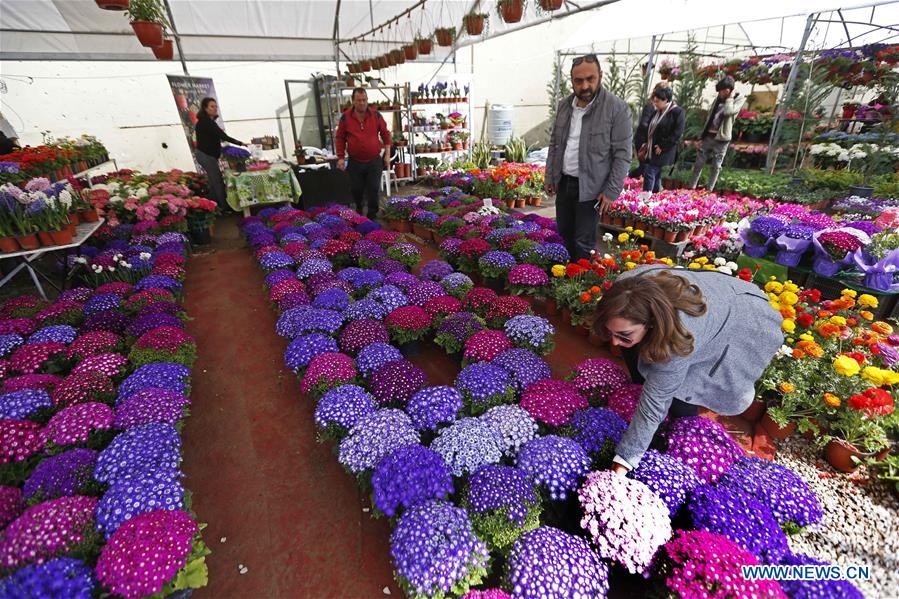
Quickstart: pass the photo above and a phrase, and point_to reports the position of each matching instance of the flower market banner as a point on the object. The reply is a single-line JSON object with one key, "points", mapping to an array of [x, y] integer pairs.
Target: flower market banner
{"points": [[189, 92]]}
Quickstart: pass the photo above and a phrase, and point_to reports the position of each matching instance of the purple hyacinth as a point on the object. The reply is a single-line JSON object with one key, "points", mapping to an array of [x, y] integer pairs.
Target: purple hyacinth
{"points": [[555, 463], [669, 478], [144, 451], [60, 475], [372, 357], [374, 436], [408, 476], [596, 429], [467, 444], [338, 410], [433, 406]]}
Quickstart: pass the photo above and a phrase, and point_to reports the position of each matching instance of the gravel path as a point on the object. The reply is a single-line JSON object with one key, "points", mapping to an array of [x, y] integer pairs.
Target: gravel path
{"points": [[861, 519]]}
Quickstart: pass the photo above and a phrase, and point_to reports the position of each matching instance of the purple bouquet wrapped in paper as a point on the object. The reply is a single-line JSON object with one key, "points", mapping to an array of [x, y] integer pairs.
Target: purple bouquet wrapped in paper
{"points": [[372, 357], [61, 577], [484, 386], [46, 530], [396, 382], [60, 475], [340, 409], [547, 562], [408, 476], [669, 478], [703, 445], [816, 589], [303, 349], [467, 444], [152, 450], [129, 498], [374, 436], [792, 243], [597, 430], [597, 378], [434, 550], [502, 503], [514, 425], [433, 406], [555, 463]]}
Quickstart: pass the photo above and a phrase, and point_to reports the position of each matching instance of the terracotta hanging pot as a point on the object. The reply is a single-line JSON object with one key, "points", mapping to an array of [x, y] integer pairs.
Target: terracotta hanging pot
{"points": [[148, 33], [444, 37], [399, 57], [390, 59], [166, 51], [512, 10], [410, 51], [550, 5], [112, 4], [424, 46], [474, 24]]}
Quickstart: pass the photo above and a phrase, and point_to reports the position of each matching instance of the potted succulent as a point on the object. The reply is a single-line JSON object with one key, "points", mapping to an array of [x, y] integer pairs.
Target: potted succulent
{"points": [[445, 36], [147, 21], [511, 11], [474, 23]]}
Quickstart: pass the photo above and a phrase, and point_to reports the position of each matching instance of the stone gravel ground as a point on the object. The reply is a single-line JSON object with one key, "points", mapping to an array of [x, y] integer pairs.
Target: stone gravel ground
{"points": [[861, 519]]}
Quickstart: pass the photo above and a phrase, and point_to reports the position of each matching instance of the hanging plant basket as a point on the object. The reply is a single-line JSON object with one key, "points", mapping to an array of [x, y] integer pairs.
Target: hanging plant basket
{"points": [[550, 5], [474, 23], [364, 66], [410, 51], [445, 36], [166, 51], [424, 46], [399, 57], [113, 4], [148, 33], [511, 10]]}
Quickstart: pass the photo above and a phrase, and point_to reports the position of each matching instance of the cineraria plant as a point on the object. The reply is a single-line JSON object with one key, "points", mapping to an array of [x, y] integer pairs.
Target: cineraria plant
{"points": [[374, 436], [126, 499], [47, 530], [555, 464], [624, 400], [441, 307], [407, 324], [524, 366], [496, 264], [669, 478], [435, 551], [406, 253], [372, 357], [433, 406], [67, 473], [467, 444], [151, 405], [514, 425], [326, 371], [360, 333], [597, 378], [483, 386], [151, 449], [457, 284], [527, 279], [552, 401], [478, 300], [24, 403], [625, 519], [76, 423], [815, 589], [60, 577], [435, 270], [530, 332], [502, 504], [395, 382], [484, 346], [704, 445], [408, 476], [598, 431], [455, 329], [303, 349]]}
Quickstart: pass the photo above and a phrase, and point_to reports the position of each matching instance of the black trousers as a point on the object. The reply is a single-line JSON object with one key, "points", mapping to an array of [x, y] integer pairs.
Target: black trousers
{"points": [[678, 409], [365, 183], [576, 220], [217, 191]]}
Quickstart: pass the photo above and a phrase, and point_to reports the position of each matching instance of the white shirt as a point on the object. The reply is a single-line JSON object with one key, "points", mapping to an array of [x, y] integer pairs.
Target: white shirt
{"points": [[570, 160]]}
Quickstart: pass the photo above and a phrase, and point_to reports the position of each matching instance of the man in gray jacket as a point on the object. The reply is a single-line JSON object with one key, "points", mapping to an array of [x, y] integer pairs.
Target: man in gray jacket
{"points": [[718, 131], [589, 155]]}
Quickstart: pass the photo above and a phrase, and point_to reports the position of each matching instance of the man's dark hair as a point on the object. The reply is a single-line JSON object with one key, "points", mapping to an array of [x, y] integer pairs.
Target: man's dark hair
{"points": [[591, 58], [359, 90], [662, 93], [726, 82]]}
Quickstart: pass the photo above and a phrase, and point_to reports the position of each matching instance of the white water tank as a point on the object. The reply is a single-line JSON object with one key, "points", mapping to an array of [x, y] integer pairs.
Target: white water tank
{"points": [[499, 124]]}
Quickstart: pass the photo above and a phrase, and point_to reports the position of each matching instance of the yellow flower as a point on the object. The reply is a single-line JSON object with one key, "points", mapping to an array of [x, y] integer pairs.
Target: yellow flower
{"points": [[789, 298], [867, 301], [558, 270], [882, 327], [703, 259], [629, 229], [638, 233], [788, 325], [709, 267], [667, 261], [838, 320], [807, 337], [774, 287], [791, 287], [623, 237], [880, 377], [850, 292], [694, 265], [790, 340], [787, 387], [846, 366], [831, 400], [630, 265]]}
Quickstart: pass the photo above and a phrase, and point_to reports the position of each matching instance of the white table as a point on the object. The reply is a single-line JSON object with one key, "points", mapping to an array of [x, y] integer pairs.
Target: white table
{"points": [[82, 233]]}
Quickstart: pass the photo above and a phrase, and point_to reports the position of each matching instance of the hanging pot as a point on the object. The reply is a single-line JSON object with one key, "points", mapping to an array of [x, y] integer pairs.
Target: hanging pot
{"points": [[410, 51], [398, 56], [424, 46], [166, 51], [550, 5], [444, 37], [391, 61], [148, 33], [474, 24], [512, 10], [112, 4]]}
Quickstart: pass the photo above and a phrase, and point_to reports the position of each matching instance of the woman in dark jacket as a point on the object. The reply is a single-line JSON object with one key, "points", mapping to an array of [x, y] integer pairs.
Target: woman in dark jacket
{"points": [[663, 133], [209, 148]]}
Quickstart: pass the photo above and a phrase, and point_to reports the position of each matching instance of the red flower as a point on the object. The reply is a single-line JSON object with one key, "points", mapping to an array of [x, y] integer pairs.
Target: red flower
{"points": [[745, 274], [873, 402], [805, 320]]}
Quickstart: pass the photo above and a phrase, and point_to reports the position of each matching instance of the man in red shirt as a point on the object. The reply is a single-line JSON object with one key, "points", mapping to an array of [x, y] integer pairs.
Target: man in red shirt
{"points": [[363, 133]]}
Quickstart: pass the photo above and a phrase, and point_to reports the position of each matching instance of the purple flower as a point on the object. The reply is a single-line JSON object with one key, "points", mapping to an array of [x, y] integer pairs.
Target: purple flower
{"points": [[408, 476], [703, 445], [374, 436], [164, 375], [503, 504], [496, 264], [57, 333], [456, 329], [8, 343], [361, 279], [484, 385], [151, 450], [150, 405], [514, 424], [598, 378], [530, 332], [403, 280], [102, 302], [457, 284], [669, 478], [61, 577], [597, 430], [555, 463], [624, 400], [275, 260], [364, 309], [332, 299], [60, 475], [435, 270], [396, 382], [326, 371], [75, 424], [467, 444], [148, 322], [128, 498], [46, 530], [340, 409], [433, 406], [547, 562], [158, 282], [313, 266], [10, 505], [276, 276], [798, 231], [434, 550], [304, 319], [524, 366], [767, 226], [372, 357], [420, 292], [361, 333], [388, 297], [23, 403]]}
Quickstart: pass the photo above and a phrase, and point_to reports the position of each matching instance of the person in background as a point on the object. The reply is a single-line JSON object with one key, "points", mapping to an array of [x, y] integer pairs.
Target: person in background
{"points": [[640, 133], [363, 135], [209, 148], [717, 132], [663, 133], [692, 338], [9, 139], [589, 155]]}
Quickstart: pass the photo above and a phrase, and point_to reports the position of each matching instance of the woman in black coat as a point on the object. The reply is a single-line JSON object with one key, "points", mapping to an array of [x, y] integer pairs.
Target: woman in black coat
{"points": [[209, 148], [663, 133]]}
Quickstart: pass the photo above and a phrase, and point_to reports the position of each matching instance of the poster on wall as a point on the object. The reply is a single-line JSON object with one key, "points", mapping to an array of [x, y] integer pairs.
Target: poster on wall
{"points": [[189, 92]]}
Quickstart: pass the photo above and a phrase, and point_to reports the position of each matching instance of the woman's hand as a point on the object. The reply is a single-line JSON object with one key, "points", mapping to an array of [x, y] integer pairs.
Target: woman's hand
{"points": [[619, 469]]}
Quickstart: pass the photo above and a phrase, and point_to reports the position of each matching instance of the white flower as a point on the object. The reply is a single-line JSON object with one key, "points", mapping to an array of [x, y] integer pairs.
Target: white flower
{"points": [[785, 351], [719, 261], [145, 255], [607, 256], [732, 265], [607, 237], [725, 270], [97, 268], [141, 192], [111, 268], [65, 198], [81, 260], [126, 265]]}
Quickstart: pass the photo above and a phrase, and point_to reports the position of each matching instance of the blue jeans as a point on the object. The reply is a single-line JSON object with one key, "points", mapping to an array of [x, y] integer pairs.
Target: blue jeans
{"points": [[652, 178]]}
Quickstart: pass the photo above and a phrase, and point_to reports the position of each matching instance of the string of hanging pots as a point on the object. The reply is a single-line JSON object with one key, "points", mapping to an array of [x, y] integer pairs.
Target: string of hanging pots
{"points": [[148, 22]]}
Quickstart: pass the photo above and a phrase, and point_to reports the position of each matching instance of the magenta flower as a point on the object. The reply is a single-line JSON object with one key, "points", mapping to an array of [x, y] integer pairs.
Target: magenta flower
{"points": [[486, 345], [19, 440], [326, 371], [74, 424], [597, 378], [552, 401], [47, 529]]}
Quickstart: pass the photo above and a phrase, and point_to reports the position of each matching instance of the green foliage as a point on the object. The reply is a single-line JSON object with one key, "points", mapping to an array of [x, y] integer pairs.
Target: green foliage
{"points": [[516, 150], [195, 574], [481, 155], [498, 531], [625, 81], [146, 10], [556, 94], [185, 355]]}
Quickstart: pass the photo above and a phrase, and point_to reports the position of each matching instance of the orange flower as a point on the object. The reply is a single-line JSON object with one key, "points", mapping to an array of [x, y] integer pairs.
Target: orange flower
{"points": [[650, 255], [824, 314], [828, 330], [882, 327], [831, 400], [851, 322], [866, 315], [585, 297], [787, 387], [798, 353], [594, 290], [643, 248]]}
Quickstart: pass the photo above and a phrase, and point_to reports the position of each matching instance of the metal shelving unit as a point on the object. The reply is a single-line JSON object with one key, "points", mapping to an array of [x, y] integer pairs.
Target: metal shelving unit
{"points": [[416, 133]]}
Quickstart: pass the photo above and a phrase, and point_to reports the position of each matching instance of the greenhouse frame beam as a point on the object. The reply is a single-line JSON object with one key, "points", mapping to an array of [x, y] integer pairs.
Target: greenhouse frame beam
{"points": [[168, 10]]}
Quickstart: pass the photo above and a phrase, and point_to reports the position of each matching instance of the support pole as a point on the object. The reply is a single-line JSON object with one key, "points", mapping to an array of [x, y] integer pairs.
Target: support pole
{"points": [[650, 67], [168, 10], [776, 128]]}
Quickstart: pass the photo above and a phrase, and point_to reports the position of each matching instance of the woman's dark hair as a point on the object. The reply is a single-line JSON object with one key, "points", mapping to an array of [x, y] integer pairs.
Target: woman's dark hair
{"points": [[727, 82], [653, 301], [663, 93], [203, 104]]}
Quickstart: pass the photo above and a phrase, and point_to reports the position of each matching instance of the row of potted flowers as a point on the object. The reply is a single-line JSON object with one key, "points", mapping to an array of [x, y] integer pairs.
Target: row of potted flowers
{"points": [[94, 388], [56, 160], [505, 467]]}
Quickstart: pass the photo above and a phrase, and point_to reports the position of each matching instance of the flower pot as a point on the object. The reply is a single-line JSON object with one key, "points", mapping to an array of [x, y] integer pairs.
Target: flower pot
{"points": [[862, 191], [754, 412], [519, 203], [438, 239], [45, 238], [28, 242], [512, 11], [422, 232], [658, 232], [8, 244], [670, 236], [788, 258], [537, 201], [444, 37], [148, 33], [839, 454], [419, 172], [410, 349], [62, 237], [774, 431], [365, 66], [683, 235], [71, 227], [89, 216], [474, 24], [403, 226], [165, 52], [424, 46], [617, 221], [552, 307], [112, 4], [410, 51], [200, 236], [550, 5]]}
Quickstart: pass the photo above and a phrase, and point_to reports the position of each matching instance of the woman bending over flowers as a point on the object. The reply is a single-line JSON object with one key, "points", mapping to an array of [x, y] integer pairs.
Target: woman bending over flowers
{"points": [[692, 338]]}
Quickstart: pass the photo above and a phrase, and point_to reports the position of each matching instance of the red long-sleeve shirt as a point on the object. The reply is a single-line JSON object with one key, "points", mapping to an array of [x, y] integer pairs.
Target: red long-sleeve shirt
{"points": [[363, 140]]}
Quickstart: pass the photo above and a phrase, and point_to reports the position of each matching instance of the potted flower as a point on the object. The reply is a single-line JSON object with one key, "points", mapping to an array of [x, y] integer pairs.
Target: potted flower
{"points": [[858, 432], [494, 266], [237, 158], [112, 4], [445, 36], [877, 260], [410, 51], [407, 326], [549, 5], [834, 249], [424, 45], [511, 11], [147, 21], [166, 51], [474, 23], [529, 280], [200, 217]]}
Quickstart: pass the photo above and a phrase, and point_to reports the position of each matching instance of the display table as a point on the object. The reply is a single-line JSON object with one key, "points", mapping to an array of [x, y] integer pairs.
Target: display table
{"points": [[322, 185], [27, 257], [252, 188]]}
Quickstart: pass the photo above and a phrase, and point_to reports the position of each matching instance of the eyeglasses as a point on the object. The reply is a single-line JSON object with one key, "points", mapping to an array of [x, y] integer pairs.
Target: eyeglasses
{"points": [[591, 58]]}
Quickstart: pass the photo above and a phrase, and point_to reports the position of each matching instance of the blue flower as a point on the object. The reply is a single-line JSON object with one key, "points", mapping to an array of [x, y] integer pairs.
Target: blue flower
{"points": [[555, 463], [408, 476], [468, 444], [433, 406]]}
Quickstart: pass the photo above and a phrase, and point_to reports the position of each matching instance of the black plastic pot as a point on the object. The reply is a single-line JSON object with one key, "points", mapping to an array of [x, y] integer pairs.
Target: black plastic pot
{"points": [[200, 236], [862, 191]]}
